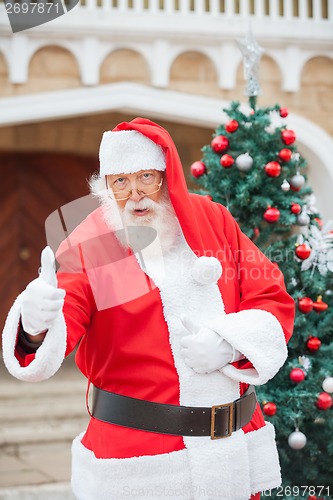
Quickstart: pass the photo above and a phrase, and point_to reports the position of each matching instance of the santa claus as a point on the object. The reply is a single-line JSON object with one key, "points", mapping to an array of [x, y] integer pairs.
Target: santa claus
{"points": [[177, 316]]}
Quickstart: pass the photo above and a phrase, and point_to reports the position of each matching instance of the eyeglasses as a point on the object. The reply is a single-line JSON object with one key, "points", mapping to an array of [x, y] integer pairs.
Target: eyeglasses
{"points": [[144, 188]]}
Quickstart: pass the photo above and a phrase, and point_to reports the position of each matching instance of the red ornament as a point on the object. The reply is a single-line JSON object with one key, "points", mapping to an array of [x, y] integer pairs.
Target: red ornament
{"points": [[320, 306], [324, 401], [288, 136], [313, 344], [272, 214], [297, 375], [285, 154], [269, 409], [305, 305], [294, 188], [220, 143], [198, 169], [231, 126], [284, 112], [256, 232], [273, 169], [295, 208], [303, 251], [227, 161]]}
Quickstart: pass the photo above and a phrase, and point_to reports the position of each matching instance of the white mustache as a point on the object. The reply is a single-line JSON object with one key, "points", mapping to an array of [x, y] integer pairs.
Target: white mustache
{"points": [[139, 205]]}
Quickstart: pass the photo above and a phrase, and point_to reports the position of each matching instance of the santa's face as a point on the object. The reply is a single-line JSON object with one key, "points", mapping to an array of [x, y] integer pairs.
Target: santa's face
{"points": [[144, 202], [137, 193]]}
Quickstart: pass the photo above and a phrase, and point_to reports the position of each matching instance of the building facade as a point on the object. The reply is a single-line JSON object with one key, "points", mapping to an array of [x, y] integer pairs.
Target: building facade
{"points": [[174, 61]]}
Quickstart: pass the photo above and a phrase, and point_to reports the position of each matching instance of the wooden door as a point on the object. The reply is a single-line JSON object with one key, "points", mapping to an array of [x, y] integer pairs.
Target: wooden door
{"points": [[32, 186]]}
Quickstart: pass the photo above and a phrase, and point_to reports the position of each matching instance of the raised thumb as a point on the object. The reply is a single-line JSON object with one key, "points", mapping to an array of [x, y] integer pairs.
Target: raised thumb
{"points": [[189, 324], [47, 269]]}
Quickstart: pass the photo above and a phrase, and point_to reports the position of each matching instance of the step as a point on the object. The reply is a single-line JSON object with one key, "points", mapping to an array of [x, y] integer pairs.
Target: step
{"points": [[56, 491], [41, 431], [45, 407]]}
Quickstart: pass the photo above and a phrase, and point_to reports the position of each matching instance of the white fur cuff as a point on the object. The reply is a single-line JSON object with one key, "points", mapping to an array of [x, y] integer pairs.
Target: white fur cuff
{"points": [[49, 356], [259, 336]]}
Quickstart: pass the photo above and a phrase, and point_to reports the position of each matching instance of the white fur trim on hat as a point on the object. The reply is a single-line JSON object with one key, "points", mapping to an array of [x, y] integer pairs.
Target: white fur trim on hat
{"points": [[128, 151]]}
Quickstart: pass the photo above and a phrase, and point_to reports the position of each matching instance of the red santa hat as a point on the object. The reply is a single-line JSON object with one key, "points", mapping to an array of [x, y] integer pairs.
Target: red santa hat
{"points": [[128, 151]]}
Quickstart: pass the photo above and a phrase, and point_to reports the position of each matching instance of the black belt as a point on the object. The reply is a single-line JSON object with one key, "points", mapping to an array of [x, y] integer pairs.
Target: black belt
{"points": [[217, 421]]}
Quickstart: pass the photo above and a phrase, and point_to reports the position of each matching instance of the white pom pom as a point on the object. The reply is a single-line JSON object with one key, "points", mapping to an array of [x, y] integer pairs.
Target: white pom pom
{"points": [[206, 270]]}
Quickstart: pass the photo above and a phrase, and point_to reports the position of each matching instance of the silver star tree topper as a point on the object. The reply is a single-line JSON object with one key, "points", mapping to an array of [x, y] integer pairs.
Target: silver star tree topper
{"points": [[252, 53]]}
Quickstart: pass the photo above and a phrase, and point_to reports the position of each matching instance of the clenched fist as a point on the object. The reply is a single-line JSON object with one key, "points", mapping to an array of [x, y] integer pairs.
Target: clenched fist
{"points": [[204, 350]]}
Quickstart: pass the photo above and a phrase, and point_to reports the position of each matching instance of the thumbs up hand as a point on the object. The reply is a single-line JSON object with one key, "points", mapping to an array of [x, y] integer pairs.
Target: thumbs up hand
{"points": [[42, 300], [204, 350]]}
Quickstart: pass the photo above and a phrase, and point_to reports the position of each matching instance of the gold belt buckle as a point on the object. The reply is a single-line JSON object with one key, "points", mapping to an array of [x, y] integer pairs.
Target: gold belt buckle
{"points": [[212, 421]]}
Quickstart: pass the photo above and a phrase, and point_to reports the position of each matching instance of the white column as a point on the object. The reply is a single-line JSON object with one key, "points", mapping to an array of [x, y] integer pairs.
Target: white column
{"points": [[287, 10], [18, 58], [273, 9], [169, 6], [317, 10], [184, 6], [259, 9], [229, 8], [107, 5], [89, 63], [91, 4], [138, 5], [122, 5], [291, 66], [244, 9], [153, 6], [160, 64], [199, 7], [303, 9], [230, 59], [330, 10], [214, 7]]}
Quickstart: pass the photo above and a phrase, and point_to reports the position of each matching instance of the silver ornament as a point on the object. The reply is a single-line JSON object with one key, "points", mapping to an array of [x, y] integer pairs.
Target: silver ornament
{"points": [[303, 219], [297, 181], [328, 384], [244, 162], [285, 186], [297, 440]]}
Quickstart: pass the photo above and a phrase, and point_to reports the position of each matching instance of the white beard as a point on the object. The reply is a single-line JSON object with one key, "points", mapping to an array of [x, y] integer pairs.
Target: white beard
{"points": [[161, 218]]}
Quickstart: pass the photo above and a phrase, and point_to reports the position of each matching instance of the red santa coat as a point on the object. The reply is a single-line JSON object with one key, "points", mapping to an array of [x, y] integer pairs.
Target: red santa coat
{"points": [[132, 347]]}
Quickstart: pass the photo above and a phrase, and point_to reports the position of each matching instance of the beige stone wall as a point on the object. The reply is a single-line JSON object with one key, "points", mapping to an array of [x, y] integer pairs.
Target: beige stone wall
{"points": [[55, 68], [195, 73], [124, 66], [50, 68]]}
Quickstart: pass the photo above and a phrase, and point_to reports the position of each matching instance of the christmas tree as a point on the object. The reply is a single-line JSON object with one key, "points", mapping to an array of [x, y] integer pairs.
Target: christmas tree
{"points": [[254, 168]]}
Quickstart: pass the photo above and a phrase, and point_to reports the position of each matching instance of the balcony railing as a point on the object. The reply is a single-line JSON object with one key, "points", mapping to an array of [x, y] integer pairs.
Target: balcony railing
{"points": [[316, 10]]}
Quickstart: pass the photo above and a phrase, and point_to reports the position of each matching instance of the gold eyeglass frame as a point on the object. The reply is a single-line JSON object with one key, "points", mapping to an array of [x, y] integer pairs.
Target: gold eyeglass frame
{"points": [[159, 185]]}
